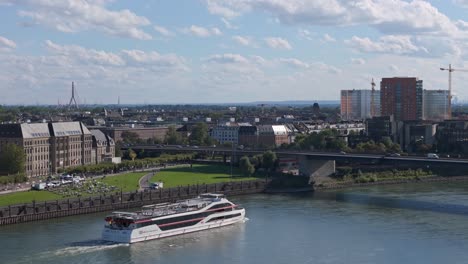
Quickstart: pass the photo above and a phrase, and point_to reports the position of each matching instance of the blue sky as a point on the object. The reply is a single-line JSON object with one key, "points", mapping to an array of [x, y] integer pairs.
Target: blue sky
{"points": [[208, 51]]}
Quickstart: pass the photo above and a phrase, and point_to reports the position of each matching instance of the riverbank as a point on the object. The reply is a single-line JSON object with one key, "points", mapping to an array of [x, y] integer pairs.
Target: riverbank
{"points": [[113, 201], [352, 184]]}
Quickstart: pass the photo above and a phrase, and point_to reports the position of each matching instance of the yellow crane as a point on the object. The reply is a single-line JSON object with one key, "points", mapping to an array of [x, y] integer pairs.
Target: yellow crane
{"points": [[450, 70]]}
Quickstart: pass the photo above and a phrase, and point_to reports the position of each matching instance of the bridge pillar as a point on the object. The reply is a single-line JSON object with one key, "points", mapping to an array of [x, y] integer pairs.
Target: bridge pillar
{"points": [[315, 168]]}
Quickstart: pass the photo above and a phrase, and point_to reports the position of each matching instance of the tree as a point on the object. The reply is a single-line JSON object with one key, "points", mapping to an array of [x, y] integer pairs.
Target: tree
{"points": [[131, 154], [130, 137], [199, 135], [245, 166], [268, 160], [173, 137], [118, 149], [12, 159]]}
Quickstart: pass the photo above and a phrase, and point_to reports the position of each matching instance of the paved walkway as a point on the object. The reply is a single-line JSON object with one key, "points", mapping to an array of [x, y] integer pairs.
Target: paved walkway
{"points": [[144, 181]]}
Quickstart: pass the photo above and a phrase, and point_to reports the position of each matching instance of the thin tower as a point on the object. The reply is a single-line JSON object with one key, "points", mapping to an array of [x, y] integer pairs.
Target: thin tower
{"points": [[372, 102], [73, 102]]}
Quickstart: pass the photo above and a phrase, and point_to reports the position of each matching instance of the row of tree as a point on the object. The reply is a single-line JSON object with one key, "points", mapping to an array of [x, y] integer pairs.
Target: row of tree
{"points": [[267, 161], [128, 165]]}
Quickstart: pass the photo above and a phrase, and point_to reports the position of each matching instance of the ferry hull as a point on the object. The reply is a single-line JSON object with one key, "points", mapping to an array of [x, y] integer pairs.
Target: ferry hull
{"points": [[153, 232]]}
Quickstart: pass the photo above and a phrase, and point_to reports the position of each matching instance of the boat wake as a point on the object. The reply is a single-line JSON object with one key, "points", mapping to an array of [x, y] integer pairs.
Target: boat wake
{"points": [[83, 247], [87, 247]]}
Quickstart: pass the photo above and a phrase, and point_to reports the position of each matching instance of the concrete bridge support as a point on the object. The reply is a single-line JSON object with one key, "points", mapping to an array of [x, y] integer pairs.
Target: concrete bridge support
{"points": [[317, 170]]}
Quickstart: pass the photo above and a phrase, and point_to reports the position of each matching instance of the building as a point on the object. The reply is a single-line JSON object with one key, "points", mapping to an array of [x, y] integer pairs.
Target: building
{"points": [[452, 136], [356, 104], [144, 133], [402, 97], [272, 135], [248, 136], [436, 105], [381, 127], [70, 145], [103, 147], [35, 140], [226, 133], [49, 146], [413, 133]]}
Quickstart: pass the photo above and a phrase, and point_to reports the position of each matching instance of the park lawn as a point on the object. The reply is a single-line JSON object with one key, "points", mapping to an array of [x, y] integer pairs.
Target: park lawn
{"points": [[198, 174], [127, 182], [27, 197]]}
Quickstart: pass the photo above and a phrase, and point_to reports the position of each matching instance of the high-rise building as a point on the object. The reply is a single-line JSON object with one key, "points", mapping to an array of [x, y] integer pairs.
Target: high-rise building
{"points": [[356, 104], [436, 105], [402, 97]]}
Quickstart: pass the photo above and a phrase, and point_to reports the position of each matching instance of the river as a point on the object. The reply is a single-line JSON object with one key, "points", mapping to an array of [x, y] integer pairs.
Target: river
{"points": [[414, 223]]}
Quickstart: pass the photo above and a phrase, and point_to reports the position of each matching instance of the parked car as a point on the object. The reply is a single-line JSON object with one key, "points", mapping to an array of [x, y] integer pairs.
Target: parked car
{"points": [[395, 155], [432, 156]]}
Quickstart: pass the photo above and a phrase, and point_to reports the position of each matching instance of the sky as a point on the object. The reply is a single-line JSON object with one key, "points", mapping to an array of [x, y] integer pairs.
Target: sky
{"points": [[225, 51]]}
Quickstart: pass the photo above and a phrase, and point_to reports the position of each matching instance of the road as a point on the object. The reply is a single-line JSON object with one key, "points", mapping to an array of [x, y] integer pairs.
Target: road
{"points": [[318, 155]]}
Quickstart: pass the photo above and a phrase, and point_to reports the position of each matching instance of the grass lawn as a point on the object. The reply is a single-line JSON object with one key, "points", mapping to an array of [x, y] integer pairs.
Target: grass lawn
{"points": [[128, 181], [200, 174], [27, 197]]}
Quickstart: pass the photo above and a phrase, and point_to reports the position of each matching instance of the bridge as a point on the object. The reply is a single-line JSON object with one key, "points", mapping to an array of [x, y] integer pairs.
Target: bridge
{"points": [[315, 164]]}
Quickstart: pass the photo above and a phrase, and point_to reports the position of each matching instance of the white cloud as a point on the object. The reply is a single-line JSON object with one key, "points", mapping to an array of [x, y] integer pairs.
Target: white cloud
{"points": [[244, 40], [83, 55], [163, 31], [390, 17], [215, 7], [6, 44], [358, 61], [295, 63], [227, 58], [278, 43], [327, 38], [462, 3], [228, 24], [154, 59], [304, 33], [99, 75], [202, 31], [75, 16], [386, 44]]}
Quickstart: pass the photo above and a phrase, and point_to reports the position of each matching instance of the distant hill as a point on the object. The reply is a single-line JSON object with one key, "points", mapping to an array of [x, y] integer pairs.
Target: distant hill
{"points": [[296, 102]]}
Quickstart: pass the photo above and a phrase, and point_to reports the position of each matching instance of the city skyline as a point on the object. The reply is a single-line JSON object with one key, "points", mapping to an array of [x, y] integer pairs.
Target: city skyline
{"points": [[224, 51]]}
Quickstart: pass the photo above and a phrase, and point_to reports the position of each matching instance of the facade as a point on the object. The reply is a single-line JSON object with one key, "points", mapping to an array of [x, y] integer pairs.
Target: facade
{"points": [[71, 145], [35, 140], [143, 133], [452, 136], [402, 97], [436, 105], [356, 104], [248, 136], [50, 146], [272, 135], [226, 133], [381, 127], [412, 133], [103, 147]]}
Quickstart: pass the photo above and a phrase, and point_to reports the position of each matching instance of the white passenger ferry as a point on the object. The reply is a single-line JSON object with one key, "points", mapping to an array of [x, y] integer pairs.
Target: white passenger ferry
{"points": [[170, 219]]}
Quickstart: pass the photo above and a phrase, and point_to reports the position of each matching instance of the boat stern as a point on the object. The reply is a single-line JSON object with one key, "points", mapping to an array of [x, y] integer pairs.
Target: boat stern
{"points": [[117, 235]]}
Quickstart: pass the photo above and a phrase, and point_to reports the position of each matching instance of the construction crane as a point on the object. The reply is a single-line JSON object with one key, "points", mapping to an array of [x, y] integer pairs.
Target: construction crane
{"points": [[372, 102], [450, 70]]}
